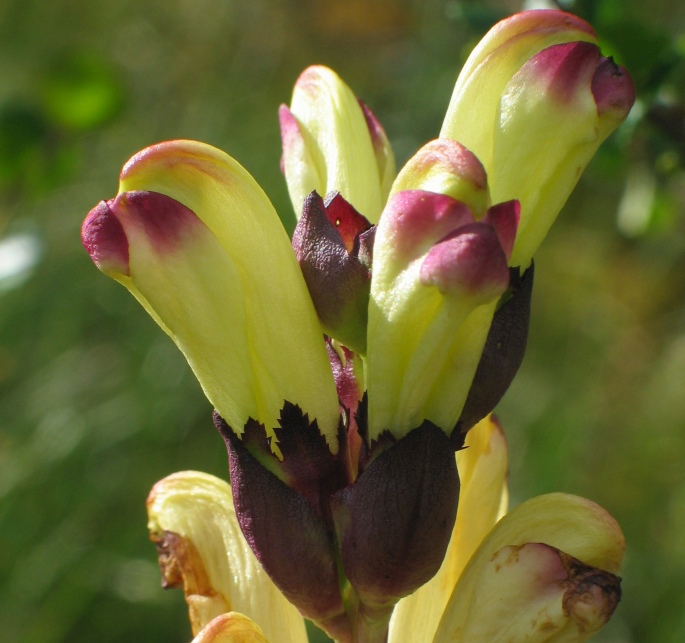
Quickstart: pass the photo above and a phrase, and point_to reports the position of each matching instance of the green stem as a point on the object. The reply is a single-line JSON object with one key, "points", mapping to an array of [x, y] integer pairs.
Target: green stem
{"points": [[372, 623]]}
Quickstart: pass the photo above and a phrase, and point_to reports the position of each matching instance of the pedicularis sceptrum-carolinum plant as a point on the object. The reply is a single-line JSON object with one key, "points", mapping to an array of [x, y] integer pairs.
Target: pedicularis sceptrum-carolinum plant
{"points": [[349, 365]]}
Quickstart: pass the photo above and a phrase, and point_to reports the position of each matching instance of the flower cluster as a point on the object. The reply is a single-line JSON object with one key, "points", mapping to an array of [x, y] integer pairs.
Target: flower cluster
{"points": [[354, 369]]}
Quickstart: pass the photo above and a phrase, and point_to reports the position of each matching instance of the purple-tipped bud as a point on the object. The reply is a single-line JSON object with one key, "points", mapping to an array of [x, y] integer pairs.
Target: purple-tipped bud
{"points": [[613, 89], [438, 274], [332, 144], [533, 102], [197, 242], [337, 281], [104, 238], [553, 115]]}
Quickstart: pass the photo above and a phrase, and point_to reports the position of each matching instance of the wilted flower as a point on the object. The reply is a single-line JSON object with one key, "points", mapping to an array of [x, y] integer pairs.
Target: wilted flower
{"points": [[344, 484]]}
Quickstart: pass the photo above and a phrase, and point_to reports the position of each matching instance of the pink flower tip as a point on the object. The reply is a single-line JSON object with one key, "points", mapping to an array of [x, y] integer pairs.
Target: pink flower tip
{"points": [[418, 217], [613, 89], [469, 261], [104, 238], [504, 219], [164, 222]]}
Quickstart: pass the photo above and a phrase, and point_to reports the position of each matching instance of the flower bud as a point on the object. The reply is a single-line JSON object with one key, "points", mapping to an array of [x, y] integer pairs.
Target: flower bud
{"points": [[332, 143], [437, 276], [395, 521], [472, 112], [545, 100], [564, 102], [290, 538], [197, 242], [326, 244], [483, 470]]}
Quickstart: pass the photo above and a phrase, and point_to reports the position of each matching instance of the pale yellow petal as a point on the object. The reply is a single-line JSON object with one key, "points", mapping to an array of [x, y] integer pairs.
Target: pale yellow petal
{"points": [[193, 514], [231, 628], [575, 526], [472, 111], [338, 144], [249, 322]]}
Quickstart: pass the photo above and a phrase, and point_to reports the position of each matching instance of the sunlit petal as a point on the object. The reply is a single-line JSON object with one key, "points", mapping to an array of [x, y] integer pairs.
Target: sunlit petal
{"points": [[232, 627], [191, 514], [328, 138], [197, 241], [571, 577]]}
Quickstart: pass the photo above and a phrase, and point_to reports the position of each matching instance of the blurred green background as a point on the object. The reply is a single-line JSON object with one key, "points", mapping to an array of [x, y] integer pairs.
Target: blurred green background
{"points": [[97, 404]]}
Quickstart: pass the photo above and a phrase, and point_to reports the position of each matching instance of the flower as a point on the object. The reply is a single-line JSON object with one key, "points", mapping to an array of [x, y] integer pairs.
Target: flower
{"points": [[345, 491], [548, 100], [333, 143], [213, 282]]}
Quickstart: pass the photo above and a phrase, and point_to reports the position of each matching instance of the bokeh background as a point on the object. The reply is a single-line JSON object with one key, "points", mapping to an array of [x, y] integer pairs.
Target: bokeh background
{"points": [[95, 402]]}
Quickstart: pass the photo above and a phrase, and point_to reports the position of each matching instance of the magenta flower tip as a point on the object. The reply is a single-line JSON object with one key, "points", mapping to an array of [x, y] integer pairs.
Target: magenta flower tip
{"points": [[567, 67], [572, 65], [504, 219], [166, 222], [418, 217], [162, 221], [104, 238], [613, 89], [470, 260]]}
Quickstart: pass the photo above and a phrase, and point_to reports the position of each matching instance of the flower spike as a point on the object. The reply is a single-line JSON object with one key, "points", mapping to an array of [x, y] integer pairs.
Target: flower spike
{"points": [[354, 371]]}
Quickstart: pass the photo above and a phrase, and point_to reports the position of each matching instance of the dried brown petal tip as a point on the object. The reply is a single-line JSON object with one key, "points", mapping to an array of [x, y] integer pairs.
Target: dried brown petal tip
{"points": [[182, 566]]}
